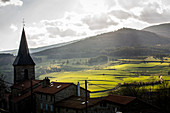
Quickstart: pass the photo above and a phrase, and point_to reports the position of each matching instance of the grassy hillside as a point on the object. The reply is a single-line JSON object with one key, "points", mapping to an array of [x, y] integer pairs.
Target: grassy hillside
{"points": [[114, 72], [162, 29]]}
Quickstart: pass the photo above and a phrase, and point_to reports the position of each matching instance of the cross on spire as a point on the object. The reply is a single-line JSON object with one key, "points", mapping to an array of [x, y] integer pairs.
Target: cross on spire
{"points": [[23, 21]]}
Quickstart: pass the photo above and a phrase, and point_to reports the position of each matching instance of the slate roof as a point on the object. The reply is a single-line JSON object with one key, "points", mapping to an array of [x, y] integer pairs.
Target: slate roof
{"points": [[23, 57]]}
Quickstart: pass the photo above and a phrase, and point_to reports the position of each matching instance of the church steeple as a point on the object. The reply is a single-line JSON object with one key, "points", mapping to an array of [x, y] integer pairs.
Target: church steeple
{"points": [[23, 49], [23, 64], [23, 57]]}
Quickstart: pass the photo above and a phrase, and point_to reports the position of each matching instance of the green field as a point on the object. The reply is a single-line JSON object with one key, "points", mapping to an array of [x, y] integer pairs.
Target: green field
{"points": [[109, 75]]}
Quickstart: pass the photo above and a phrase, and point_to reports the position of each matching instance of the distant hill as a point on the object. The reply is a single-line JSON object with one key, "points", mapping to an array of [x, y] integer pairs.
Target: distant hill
{"points": [[162, 29], [38, 49], [100, 44]]}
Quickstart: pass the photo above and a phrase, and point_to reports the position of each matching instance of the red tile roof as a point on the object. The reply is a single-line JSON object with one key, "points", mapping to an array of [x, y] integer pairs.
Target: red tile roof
{"points": [[123, 100], [23, 96], [26, 84], [19, 98], [76, 102], [53, 88]]}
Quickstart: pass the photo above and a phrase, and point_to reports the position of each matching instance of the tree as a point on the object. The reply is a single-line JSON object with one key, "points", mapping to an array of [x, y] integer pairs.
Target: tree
{"points": [[2, 84], [2, 91], [159, 97], [162, 99]]}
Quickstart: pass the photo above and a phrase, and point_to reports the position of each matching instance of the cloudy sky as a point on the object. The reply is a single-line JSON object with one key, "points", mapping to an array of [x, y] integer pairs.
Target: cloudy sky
{"points": [[55, 21]]}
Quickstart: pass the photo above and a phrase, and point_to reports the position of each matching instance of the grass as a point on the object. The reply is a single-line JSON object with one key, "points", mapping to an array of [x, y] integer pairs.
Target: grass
{"points": [[110, 75]]}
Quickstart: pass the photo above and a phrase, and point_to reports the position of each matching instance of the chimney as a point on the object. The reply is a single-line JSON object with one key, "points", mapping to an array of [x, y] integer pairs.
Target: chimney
{"points": [[46, 82], [78, 89]]}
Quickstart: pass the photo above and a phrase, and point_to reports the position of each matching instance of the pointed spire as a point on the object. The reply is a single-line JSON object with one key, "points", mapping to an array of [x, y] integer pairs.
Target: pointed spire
{"points": [[23, 57], [23, 49]]}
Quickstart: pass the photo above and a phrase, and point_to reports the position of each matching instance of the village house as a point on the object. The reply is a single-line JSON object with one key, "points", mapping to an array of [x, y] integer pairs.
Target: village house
{"points": [[50, 93], [108, 104]]}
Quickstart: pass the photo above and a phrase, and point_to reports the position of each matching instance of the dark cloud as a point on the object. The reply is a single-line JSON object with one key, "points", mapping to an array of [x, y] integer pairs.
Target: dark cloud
{"points": [[154, 13], [120, 14], [96, 22], [54, 31], [5, 0]]}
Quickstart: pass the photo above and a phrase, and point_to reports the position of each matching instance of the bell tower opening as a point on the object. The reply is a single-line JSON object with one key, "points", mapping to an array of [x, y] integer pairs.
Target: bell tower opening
{"points": [[26, 74]]}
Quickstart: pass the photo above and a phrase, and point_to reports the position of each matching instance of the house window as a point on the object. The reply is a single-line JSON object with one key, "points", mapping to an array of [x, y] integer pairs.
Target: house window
{"points": [[41, 105], [51, 107], [46, 106]]}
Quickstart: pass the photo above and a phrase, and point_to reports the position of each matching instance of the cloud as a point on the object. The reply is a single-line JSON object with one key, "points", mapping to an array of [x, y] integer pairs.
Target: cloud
{"points": [[5, 0], [130, 3], [11, 2], [120, 14], [53, 31], [63, 20], [134, 23], [150, 11], [13, 27], [98, 21], [155, 12]]}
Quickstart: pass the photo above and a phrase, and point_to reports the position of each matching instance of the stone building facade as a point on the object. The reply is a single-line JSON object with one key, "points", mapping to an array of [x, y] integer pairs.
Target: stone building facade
{"points": [[48, 95]]}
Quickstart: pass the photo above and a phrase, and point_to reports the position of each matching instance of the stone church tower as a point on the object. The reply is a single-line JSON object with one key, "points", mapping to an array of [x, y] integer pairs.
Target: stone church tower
{"points": [[24, 66]]}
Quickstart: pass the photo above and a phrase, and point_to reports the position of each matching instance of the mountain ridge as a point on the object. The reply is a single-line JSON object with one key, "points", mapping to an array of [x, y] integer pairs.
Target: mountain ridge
{"points": [[161, 29], [38, 49], [92, 46]]}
